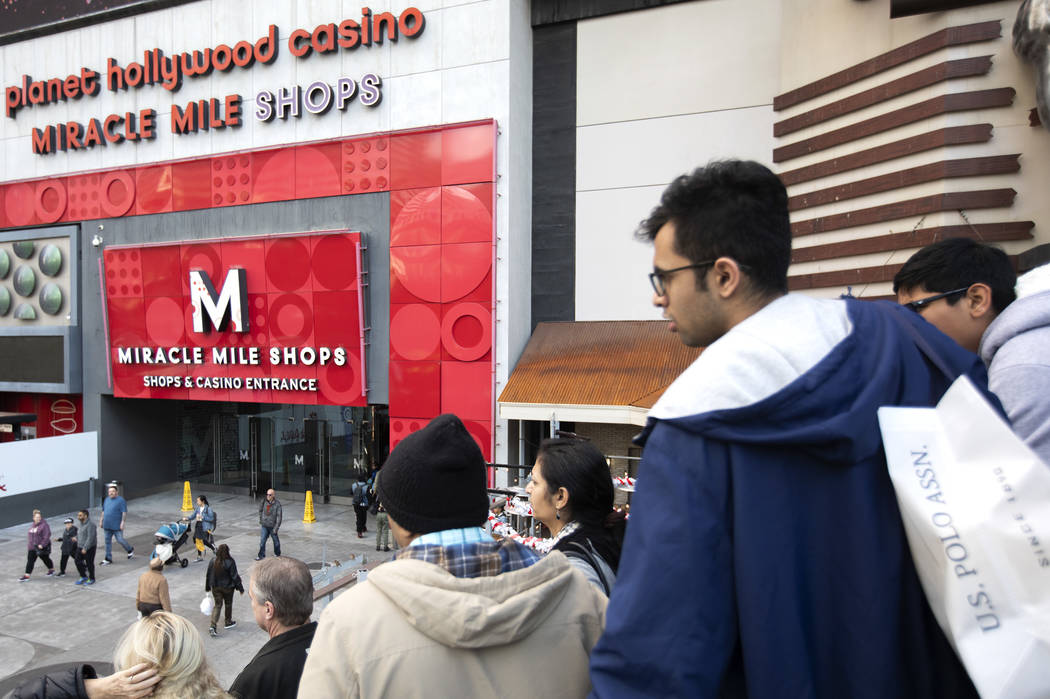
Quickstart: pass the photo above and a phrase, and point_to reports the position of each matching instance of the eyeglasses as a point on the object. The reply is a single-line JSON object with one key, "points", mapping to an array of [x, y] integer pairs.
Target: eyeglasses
{"points": [[660, 277], [923, 303]]}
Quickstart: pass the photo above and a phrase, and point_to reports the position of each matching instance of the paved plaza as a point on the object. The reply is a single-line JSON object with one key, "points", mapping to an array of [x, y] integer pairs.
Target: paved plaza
{"points": [[48, 622]]}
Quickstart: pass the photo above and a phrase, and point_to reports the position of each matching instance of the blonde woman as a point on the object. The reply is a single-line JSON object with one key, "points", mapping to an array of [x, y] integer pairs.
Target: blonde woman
{"points": [[171, 645]]}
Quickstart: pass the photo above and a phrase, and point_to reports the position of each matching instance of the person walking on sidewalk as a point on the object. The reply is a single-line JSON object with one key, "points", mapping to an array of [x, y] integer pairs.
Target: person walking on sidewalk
{"points": [[87, 541], [114, 513], [152, 595], [38, 546], [204, 526], [69, 545], [269, 523], [221, 580], [382, 529], [359, 493]]}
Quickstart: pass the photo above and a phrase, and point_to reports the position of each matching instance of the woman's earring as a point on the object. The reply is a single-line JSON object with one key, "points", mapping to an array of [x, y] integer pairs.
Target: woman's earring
{"points": [[557, 513]]}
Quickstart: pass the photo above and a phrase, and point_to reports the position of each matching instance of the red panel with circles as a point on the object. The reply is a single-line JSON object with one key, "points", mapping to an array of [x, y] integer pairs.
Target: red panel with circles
{"points": [[332, 265], [415, 331], [415, 274], [272, 175], [365, 165], [464, 266], [123, 273], [116, 193], [82, 197], [310, 338], [50, 202], [466, 331], [415, 217], [20, 204], [481, 431], [231, 180], [466, 213], [317, 171], [401, 427], [288, 264]]}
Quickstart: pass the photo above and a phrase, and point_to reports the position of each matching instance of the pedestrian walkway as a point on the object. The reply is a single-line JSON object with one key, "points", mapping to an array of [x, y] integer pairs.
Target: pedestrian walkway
{"points": [[51, 621]]}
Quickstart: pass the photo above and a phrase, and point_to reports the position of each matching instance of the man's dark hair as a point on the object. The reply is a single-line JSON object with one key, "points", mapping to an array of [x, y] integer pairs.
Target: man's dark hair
{"points": [[286, 583], [730, 208], [85, 513], [955, 263]]}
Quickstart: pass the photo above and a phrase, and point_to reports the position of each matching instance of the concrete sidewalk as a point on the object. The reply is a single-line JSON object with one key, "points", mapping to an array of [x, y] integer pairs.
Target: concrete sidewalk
{"points": [[51, 621]]}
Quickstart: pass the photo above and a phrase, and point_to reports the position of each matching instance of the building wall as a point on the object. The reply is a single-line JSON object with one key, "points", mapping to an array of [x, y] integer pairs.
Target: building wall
{"points": [[640, 124], [660, 92], [460, 68]]}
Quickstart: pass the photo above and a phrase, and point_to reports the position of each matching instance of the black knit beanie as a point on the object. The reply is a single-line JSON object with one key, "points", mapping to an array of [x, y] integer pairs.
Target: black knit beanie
{"points": [[435, 479]]}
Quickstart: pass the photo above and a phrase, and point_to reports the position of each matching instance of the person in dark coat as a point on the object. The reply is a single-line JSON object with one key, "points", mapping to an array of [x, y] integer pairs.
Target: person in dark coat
{"points": [[87, 542], [221, 580], [82, 682], [765, 555], [69, 545], [282, 594]]}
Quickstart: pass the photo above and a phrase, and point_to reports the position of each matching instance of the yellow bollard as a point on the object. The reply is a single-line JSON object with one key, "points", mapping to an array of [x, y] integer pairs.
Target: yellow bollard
{"points": [[308, 512], [187, 497]]}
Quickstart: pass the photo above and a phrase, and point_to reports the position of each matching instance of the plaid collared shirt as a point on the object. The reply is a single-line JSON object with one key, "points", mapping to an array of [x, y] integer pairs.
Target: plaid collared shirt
{"points": [[466, 555]]}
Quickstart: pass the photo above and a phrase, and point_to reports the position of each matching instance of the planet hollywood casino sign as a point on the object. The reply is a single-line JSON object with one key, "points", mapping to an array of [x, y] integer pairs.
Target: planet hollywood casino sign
{"points": [[271, 319]]}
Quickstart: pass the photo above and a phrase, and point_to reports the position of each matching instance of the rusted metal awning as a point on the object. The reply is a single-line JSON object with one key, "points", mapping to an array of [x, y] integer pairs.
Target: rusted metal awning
{"points": [[594, 371]]}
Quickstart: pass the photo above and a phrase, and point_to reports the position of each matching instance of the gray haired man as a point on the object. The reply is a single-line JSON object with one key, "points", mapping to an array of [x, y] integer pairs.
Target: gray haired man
{"points": [[282, 594]]}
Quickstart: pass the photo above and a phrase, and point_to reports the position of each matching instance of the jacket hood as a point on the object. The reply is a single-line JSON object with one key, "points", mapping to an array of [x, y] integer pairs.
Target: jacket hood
{"points": [[1030, 311], [474, 612], [809, 374]]}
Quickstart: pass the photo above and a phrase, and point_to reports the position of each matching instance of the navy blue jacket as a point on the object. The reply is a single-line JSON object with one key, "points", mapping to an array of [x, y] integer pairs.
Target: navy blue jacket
{"points": [[765, 555]]}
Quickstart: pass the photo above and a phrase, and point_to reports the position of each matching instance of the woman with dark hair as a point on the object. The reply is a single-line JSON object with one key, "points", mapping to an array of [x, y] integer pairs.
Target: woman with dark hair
{"points": [[222, 579], [571, 492], [205, 525], [39, 545]]}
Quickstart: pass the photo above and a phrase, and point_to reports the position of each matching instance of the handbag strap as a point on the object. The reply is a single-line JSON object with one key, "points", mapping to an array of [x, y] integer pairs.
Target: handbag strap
{"points": [[578, 550]]}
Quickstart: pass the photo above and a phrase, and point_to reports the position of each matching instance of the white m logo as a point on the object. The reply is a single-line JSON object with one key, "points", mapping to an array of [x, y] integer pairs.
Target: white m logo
{"points": [[298, 459], [230, 304]]}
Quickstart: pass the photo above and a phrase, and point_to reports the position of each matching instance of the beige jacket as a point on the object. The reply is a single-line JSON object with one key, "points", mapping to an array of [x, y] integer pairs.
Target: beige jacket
{"points": [[414, 630], [153, 589]]}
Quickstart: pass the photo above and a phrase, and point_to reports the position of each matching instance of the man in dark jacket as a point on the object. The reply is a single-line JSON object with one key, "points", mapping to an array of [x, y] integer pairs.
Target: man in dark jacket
{"points": [[765, 554], [282, 594], [87, 542], [269, 522]]}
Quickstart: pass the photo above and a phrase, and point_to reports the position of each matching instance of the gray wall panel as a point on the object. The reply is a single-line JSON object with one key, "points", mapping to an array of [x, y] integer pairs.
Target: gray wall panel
{"points": [[52, 503]]}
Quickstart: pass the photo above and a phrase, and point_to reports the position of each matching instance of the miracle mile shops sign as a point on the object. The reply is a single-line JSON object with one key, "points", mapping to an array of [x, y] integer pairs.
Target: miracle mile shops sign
{"points": [[271, 319], [157, 70]]}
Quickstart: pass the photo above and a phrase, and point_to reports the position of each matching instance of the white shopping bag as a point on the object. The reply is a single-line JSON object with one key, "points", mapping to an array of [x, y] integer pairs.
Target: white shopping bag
{"points": [[207, 604], [975, 502]]}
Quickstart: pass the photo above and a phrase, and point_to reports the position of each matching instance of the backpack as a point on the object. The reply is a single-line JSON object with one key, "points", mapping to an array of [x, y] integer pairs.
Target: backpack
{"points": [[361, 494], [215, 525]]}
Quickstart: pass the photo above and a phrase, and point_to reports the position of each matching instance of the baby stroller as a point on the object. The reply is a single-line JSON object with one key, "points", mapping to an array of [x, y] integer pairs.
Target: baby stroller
{"points": [[169, 538]]}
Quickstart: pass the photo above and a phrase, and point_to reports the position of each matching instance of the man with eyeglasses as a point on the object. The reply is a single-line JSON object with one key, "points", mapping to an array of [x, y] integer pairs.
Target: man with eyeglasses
{"points": [[765, 554], [966, 290]]}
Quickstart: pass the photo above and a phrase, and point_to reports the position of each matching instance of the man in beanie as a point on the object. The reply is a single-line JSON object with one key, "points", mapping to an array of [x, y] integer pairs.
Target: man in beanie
{"points": [[456, 613]]}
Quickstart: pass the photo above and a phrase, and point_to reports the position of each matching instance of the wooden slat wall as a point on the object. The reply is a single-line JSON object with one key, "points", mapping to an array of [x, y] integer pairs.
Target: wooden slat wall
{"points": [[809, 185]]}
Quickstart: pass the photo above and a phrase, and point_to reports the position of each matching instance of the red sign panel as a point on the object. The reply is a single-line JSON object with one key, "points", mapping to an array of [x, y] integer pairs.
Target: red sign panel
{"points": [[269, 319]]}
